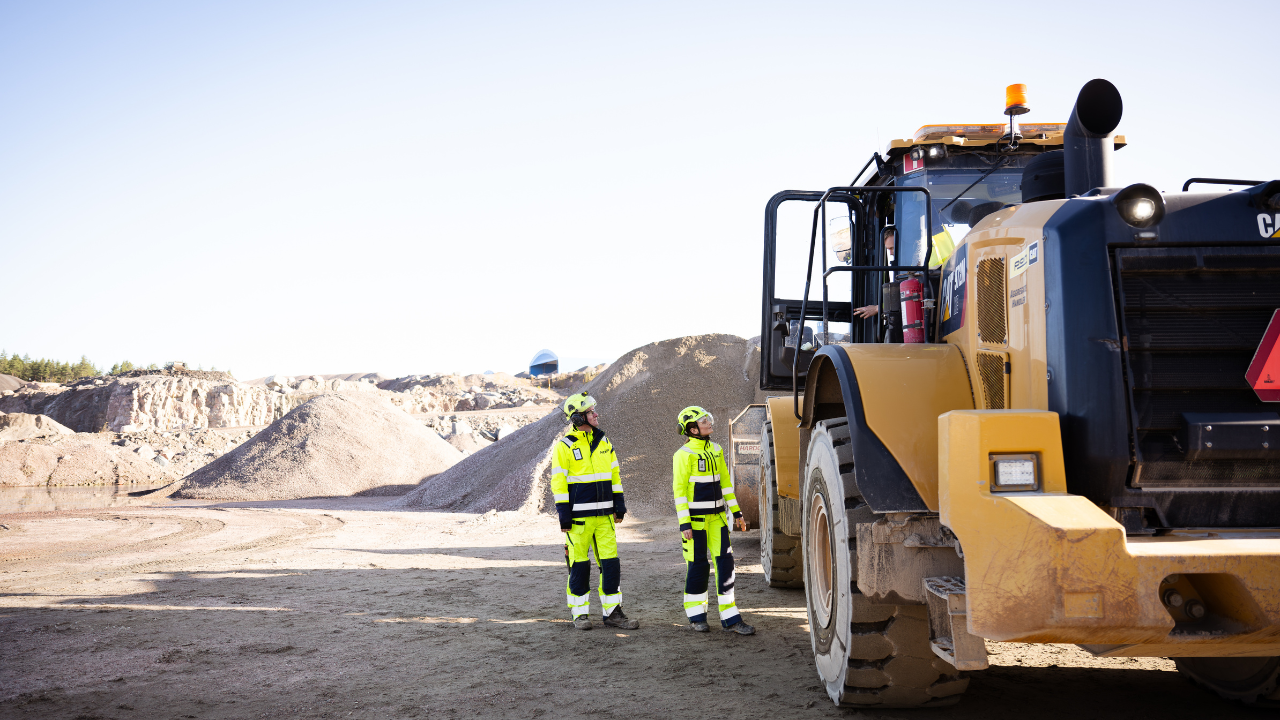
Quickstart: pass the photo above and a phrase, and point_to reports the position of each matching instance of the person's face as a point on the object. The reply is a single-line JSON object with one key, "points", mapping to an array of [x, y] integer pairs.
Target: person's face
{"points": [[888, 244], [593, 418], [705, 426]]}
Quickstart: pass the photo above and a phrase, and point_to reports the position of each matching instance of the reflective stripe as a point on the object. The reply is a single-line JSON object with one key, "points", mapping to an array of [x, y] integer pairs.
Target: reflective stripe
{"points": [[728, 614], [592, 506], [684, 514], [593, 477], [681, 500], [558, 471], [701, 597], [615, 464], [686, 449], [609, 602], [724, 598], [568, 442], [706, 505], [617, 488], [562, 498], [705, 478]]}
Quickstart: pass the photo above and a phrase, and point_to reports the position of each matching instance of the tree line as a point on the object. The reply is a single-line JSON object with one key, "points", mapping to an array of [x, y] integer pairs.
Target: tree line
{"points": [[45, 370]]}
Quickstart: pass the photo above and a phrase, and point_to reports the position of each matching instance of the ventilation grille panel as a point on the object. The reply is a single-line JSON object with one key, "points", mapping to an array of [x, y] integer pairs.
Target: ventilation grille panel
{"points": [[991, 301], [993, 371]]}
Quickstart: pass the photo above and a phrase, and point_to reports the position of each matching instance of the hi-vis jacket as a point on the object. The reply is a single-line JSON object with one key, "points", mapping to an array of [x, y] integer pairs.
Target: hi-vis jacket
{"points": [[584, 477], [701, 483]]}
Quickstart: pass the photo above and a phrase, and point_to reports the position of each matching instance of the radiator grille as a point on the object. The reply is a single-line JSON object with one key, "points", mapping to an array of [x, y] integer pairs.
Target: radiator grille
{"points": [[991, 301], [1192, 319], [993, 370]]}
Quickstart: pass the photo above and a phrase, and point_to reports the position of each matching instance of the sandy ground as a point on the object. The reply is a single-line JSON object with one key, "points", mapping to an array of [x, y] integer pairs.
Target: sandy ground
{"points": [[334, 609]]}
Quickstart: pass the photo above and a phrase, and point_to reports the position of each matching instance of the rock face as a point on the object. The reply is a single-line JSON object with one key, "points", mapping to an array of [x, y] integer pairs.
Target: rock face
{"points": [[333, 445], [20, 426], [152, 402], [9, 383]]}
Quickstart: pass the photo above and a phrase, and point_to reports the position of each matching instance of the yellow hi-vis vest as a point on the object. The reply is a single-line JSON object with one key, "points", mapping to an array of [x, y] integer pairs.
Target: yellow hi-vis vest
{"points": [[585, 483], [701, 482]]}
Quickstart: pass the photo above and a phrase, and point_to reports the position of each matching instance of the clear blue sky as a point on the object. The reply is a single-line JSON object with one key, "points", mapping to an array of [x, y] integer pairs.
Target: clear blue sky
{"points": [[422, 187]]}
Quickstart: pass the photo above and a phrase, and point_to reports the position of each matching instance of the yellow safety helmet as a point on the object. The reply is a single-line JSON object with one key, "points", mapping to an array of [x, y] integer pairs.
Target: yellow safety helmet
{"points": [[578, 405], [692, 414]]}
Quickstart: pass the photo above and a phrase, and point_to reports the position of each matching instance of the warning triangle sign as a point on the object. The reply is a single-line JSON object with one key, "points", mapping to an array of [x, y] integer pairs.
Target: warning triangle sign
{"points": [[1264, 372]]}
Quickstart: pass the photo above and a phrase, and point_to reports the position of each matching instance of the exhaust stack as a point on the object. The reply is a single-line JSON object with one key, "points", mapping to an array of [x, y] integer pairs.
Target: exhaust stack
{"points": [[1088, 140]]}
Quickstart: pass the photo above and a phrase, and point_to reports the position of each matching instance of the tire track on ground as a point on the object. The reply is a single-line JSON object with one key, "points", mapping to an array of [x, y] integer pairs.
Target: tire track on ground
{"points": [[190, 528]]}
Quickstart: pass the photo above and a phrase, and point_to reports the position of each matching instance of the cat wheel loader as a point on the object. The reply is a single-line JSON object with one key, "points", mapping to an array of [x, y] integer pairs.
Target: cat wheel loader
{"points": [[1024, 405]]}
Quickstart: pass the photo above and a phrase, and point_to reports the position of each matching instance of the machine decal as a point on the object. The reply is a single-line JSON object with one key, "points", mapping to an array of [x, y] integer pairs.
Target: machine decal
{"points": [[1018, 296], [1264, 371], [1020, 263], [1033, 254], [1269, 227], [953, 290], [911, 164]]}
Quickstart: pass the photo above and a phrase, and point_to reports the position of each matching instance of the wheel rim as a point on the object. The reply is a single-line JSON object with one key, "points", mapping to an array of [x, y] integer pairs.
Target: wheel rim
{"points": [[820, 565]]}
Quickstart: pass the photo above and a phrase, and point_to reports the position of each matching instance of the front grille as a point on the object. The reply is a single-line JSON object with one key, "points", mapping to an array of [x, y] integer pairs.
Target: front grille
{"points": [[1192, 319], [991, 301], [993, 369]]}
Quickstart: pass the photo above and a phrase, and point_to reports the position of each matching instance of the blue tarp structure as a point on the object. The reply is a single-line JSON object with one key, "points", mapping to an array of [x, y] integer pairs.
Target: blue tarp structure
{"points": [[543, 363]]}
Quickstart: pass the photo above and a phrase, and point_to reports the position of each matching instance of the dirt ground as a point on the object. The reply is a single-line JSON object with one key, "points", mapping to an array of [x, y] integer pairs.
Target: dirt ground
{"points": [[334, 609]]}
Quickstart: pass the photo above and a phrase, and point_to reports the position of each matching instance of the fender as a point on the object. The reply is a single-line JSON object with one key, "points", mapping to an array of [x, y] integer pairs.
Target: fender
{"points": [[892, 395]]}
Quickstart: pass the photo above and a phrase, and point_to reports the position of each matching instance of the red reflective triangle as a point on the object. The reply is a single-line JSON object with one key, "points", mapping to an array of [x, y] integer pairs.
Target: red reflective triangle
{"points": [[1264, 372]]}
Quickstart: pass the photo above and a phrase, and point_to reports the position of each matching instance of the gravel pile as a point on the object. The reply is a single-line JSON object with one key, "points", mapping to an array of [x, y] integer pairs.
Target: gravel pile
{"points": [[20, 426], [639, 396], [332, 445], [78, 459], [9, 383]]}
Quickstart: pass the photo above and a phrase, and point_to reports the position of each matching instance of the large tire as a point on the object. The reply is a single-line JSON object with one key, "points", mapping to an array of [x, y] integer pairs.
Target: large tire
{"points": [[866, 654], [1250, 680], [779, 553]]}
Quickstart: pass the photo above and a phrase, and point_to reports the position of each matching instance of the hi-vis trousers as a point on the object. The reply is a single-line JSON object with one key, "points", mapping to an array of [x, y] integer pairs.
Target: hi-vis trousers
{"points": [[592, 534], [710, 534]]}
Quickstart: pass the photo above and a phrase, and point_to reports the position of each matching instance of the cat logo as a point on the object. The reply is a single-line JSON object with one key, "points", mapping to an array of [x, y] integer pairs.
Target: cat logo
{"points": [[1268, 226], [577, 453]]}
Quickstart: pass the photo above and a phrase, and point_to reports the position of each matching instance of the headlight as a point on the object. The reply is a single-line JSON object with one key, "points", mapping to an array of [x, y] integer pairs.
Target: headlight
{"points": [[1013, 472], [1139, 205]]}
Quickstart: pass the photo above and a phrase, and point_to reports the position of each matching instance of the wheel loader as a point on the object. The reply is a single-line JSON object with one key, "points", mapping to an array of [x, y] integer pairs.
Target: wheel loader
{"points": [[1019, 404]]}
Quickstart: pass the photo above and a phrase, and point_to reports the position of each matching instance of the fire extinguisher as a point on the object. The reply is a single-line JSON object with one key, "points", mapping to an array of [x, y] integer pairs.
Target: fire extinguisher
{"points": [[912, 312]]}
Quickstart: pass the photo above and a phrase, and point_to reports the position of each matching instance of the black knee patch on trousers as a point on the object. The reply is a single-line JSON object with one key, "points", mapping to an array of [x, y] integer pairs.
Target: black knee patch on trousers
{"points": [[610, 575], [580, 577]]}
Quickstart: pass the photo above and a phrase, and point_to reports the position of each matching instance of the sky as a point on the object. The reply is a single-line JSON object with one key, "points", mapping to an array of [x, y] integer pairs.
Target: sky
{"points": [[414, 187]]}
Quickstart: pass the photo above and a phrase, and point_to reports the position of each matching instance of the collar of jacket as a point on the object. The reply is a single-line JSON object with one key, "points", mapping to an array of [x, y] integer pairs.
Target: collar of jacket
{"points": [[700, 444]]}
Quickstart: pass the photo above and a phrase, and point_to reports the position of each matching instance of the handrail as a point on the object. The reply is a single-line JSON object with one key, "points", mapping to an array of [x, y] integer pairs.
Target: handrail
{"points": [[808, 280], [1219, 181]]}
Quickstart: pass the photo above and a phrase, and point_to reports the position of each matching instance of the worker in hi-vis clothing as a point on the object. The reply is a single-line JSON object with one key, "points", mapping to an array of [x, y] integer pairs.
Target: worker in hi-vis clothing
{"points": [[587, 487], [703, 487]]}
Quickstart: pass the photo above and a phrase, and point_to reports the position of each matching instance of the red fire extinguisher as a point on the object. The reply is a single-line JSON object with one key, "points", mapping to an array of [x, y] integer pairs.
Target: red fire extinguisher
{"points": [[912, 312]]}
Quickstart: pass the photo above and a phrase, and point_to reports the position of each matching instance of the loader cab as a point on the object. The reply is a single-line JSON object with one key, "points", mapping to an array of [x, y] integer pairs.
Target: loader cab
{"points": [[932, 189]]}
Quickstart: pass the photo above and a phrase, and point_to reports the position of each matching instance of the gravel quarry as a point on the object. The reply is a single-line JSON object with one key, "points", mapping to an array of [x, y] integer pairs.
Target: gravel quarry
{"points": [[338, 609]]}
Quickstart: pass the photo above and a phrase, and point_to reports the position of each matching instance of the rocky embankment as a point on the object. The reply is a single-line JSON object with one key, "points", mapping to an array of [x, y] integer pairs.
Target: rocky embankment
{"points": [[172, 400]]}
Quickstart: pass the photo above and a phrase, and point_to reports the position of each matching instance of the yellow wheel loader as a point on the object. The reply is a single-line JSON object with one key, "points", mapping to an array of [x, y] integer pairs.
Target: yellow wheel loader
{"points": [[1023, 405]]}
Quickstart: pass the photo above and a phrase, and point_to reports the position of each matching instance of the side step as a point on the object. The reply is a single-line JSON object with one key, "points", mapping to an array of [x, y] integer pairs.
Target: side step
{"points": [[949, 624]]}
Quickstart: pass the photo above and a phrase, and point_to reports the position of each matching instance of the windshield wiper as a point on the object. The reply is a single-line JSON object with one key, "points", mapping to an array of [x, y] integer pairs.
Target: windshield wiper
{"points": [[999, 164]]}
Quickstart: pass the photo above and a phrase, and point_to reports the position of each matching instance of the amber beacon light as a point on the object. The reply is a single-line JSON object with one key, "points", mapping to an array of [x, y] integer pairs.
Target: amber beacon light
{"points": [[1015, 100]]}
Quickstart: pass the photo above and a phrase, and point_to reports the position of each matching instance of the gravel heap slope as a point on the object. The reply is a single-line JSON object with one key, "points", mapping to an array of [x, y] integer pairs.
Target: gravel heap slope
{"points": [[639, 396], [332, 445]]}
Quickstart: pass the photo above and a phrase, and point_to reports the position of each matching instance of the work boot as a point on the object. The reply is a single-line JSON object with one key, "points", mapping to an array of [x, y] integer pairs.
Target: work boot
{"points": [[582, 622], [619, 619], [699, 627], [741, 628]]}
